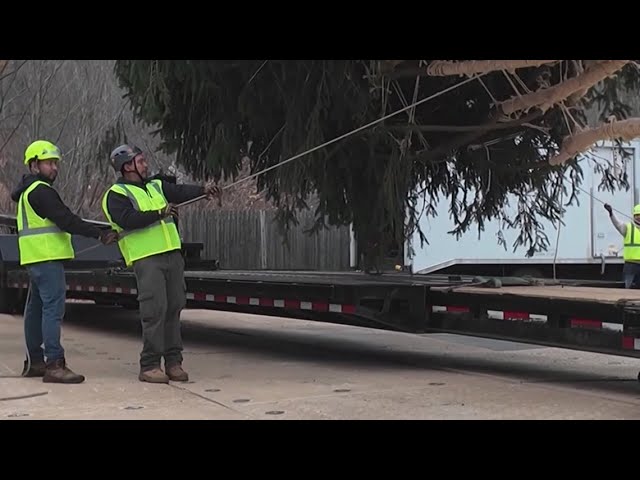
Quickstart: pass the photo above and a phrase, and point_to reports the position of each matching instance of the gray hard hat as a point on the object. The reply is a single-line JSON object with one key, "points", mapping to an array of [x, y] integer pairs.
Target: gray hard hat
{"points": [[122, 155]]}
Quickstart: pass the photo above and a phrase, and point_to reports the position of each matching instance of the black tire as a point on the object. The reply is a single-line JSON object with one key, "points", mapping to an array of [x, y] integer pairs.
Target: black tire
{"points": [[5, 307], [10, 302]]}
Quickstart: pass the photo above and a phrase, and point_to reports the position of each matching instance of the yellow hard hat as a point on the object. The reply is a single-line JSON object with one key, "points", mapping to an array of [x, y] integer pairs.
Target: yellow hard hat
{"points": [[636, 210], [41, 150]]}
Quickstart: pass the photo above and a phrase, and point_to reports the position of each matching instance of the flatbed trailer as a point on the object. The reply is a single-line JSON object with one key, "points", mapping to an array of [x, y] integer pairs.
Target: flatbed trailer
{"points": [[590, 316]]}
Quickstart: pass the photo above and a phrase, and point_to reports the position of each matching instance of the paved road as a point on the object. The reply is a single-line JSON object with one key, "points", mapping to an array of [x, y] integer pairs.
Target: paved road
{"points": [[253, 367]]}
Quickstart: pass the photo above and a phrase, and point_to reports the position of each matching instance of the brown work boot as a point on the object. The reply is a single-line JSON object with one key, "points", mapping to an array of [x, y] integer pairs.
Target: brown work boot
{"points": [[177, 374], [36, 369], [154, 375], [58, 372]]}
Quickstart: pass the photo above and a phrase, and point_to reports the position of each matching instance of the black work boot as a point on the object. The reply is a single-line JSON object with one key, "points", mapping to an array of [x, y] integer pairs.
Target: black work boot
{"points": [[58, 372], [36, 369]]}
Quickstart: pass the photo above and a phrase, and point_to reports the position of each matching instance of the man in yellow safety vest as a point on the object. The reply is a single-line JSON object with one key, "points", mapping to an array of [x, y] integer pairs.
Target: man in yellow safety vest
{"points": [[631, 233], [45, 225], [142, 211]]}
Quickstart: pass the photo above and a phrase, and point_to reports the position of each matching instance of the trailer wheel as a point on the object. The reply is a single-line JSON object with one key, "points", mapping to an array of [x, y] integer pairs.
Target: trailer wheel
{"points": [[10, 301], [5, 304]]}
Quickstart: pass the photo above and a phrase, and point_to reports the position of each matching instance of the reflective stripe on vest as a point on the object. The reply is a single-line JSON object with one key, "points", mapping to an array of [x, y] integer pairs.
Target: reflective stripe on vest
{"points": [[159, 237], [39, 239], [631, 247]]}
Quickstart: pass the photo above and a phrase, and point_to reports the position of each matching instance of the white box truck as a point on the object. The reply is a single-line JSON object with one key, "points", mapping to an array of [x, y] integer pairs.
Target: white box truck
{"points": [[588, 245]]}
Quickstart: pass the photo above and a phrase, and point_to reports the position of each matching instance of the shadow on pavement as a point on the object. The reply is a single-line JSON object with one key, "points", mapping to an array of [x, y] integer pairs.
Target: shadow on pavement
{"points": [[334, 348]]}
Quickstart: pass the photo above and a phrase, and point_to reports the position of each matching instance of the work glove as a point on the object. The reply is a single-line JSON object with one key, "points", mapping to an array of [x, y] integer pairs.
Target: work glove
{"points": [[107, 237], [169, 210], [211, 190], [608, 208]]}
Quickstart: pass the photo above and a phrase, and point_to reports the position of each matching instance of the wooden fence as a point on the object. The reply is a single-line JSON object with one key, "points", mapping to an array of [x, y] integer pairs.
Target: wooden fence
{"points": [[251, 240]]}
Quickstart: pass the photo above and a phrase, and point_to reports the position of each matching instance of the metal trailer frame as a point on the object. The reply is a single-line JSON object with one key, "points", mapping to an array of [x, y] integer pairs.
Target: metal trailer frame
{"points": [[594, 318]]}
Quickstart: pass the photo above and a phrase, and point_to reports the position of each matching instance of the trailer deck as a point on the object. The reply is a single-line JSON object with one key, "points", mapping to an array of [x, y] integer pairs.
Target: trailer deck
{"points": [[563, 292], [583, 315], [566, 314]]}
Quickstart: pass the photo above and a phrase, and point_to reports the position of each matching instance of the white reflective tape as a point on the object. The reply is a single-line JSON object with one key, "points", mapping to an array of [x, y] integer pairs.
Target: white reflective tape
{"points": [[335, 308], [92, 288], [534, 317], [118, 290], [306, 305], [278, 303], [210, 298], [616, 327], [636, 343], [134, 291], [495, 314], [231, 299], [104, 289], [438, 308], [189, 296], [254, 301]]}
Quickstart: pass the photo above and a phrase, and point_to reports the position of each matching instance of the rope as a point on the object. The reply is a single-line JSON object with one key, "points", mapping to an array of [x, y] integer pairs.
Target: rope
{"points": [[341, 137], [21, 397], [334, 140], [604, 203], [555, 256]]}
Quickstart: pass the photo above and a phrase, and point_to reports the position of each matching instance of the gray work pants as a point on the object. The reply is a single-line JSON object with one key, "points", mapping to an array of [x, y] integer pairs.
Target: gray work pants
{"points": [[161, 296], [631, 273]]}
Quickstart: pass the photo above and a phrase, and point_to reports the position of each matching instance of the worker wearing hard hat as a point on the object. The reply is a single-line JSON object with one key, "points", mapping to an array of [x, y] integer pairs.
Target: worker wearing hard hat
{"points": [[631, 233], [45, 225], [142, 211]]}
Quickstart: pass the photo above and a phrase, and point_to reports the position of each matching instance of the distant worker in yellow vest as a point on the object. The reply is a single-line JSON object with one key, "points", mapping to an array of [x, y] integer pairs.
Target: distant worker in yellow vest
{"points": [[45, 225], [631, 233], [142, 211]]}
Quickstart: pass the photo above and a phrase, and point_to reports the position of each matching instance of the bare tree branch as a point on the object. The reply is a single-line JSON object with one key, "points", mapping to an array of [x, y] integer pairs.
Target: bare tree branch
{"points": [[15, 129], [12, 72], [464, 128], [573, 145], [443, 68], [389, 65], [470, 136], [73, 103], [546, 98]]}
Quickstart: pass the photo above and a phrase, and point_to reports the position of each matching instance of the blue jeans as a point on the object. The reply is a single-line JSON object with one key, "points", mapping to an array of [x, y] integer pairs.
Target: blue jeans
{"points": [[44, 311]]}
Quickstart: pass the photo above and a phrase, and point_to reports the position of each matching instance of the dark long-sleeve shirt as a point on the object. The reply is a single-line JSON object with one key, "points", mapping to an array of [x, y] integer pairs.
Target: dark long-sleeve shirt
{"points": [[124, 214], [46, 202]]}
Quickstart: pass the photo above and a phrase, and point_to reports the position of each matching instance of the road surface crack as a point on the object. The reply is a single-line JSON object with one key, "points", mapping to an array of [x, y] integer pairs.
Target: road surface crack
{"points": [[211, 400]]}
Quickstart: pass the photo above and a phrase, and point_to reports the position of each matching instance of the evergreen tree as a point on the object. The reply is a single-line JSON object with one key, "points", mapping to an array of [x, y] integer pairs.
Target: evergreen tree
{"points": [[460, 146]]}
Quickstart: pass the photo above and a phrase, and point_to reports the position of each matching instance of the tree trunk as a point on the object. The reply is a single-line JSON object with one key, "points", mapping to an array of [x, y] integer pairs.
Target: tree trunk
{"points": [[546, 98], [580, 142], [443, 68]]}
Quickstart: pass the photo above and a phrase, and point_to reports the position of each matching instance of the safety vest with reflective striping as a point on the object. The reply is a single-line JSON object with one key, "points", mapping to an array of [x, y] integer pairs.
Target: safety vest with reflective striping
{"points": [[632, 244], [39, 239], [159, 237]]}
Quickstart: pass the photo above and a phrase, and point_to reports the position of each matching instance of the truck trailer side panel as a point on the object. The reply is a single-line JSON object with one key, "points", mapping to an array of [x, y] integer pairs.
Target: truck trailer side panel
{"points": [[586, 236]]}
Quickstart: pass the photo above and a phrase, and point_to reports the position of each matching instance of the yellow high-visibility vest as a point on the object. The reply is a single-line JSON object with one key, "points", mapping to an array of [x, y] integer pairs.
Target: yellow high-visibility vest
{"points": [[632, 244], [39, 239], [159, 237]]}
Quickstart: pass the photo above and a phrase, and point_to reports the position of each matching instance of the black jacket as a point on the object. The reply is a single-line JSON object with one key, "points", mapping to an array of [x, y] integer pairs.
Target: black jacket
{"points": [[47, 203], [122, 211]]}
